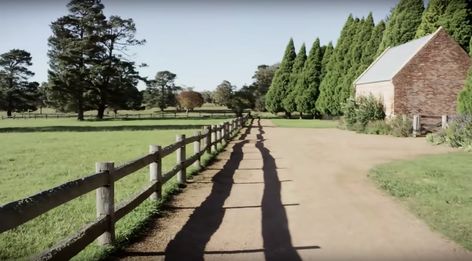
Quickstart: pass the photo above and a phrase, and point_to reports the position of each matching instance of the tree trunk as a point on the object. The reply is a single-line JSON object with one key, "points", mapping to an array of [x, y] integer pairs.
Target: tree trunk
{"points": [[101, 111], [288, 115], [301, 115], [80, 110], [41, 110], [9, 113], [186, 113]]}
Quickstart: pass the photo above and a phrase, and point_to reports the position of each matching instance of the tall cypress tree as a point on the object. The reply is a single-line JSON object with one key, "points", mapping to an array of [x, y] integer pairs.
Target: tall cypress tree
{"points": [[402, 24], [454, 15], [326, 102], [327, 53], [289, 100], [309, 81], [278, 89], [457, 20], [354, 58], [430, 21], [370, 48]]}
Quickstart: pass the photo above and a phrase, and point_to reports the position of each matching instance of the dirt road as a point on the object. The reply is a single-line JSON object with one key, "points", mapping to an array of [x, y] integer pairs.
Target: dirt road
{"points": [[296, 194]]}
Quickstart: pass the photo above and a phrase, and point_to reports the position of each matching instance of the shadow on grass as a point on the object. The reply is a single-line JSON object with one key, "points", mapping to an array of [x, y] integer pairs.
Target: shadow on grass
{"points": [[99, 128]]}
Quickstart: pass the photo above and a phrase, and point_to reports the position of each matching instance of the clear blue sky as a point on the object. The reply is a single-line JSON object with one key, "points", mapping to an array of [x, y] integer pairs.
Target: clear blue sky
{"points": [[204, 42]]}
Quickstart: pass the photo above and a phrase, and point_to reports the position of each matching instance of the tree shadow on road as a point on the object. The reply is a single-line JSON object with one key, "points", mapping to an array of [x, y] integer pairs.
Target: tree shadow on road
{"points": [[275, 231], [191, 240]]}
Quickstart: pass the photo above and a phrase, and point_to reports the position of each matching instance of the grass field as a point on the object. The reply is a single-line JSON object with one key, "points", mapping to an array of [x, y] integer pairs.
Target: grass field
{"points": [[40, 154], [436, 188], [305, 123]]}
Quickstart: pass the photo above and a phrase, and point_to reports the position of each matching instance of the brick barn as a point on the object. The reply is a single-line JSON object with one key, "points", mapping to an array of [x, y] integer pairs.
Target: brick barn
{"points": [[423, 76]]}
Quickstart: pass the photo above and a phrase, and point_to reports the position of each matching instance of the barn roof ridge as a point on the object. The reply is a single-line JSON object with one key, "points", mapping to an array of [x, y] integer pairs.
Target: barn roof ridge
{"points": [[393, 59]]}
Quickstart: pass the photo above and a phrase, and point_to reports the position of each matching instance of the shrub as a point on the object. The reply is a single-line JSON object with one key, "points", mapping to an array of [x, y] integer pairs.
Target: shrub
{"points": [[436, 138], [369, 109], [459, 133], [401, 126], [349, 111], [359, 112], [378, 127]]}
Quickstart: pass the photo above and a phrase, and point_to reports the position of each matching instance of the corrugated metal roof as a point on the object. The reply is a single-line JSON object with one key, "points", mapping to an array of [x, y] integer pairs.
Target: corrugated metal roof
{"points": [[392, 60]]}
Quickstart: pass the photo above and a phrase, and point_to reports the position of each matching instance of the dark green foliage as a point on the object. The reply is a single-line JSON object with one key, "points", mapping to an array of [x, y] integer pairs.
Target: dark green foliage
{"points": [[222, 94], [457, 20], [354, 57], [86, 71], [454, 15], [307, 88], [161, 91], [241, 100], [327, 53], [464, 101], [278, 89], [327, 102], [402, 24], [430, 21], [16, 93], [288, 101], [370, 49], [262, 81]]}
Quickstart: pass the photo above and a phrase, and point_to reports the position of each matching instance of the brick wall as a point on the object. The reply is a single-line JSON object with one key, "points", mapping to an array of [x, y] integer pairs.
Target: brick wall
{"points": [[430, 82]]}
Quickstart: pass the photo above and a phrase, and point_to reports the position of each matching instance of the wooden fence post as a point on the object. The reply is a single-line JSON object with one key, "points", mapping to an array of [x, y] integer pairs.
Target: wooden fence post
{"points": [[444, 120], [208, 139], [105, 203], [223, 132], [218, 133], [416, 125], [182, 174], [196, 150], [155, 171], [213, 137]]}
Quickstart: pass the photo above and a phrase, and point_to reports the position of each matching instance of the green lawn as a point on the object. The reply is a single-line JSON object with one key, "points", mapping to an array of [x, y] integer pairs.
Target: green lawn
{"points": [[40, 154], [305, 123], [437, 188]]}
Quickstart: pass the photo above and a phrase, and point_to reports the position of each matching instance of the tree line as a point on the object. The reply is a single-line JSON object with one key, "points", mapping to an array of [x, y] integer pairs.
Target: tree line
{"points": [[319, 84]]}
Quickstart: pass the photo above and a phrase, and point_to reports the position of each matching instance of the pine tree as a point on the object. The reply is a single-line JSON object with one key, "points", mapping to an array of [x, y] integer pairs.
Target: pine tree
{"points": [[354, 58], [370, 48], [307, 88], [457, 20], [277, 90], [288, 101], [327, 52], [326, 102], [430, 21], [16, 93], [402, 24], [454, 15]]}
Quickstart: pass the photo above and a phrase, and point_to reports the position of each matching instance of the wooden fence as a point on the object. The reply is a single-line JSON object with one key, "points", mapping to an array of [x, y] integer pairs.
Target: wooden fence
{"points": [[18, 212], [155, 115], [423, 124]]}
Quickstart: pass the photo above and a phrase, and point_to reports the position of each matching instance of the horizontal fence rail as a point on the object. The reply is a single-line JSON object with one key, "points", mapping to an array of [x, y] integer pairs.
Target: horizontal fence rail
{"points": [[154, 115], [423, 124], [16, 213]]}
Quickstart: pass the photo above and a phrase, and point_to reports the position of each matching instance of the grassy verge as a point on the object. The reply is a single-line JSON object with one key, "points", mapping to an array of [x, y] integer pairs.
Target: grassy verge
{"points": [[32, 161], [437, 188], [297, 123]]}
